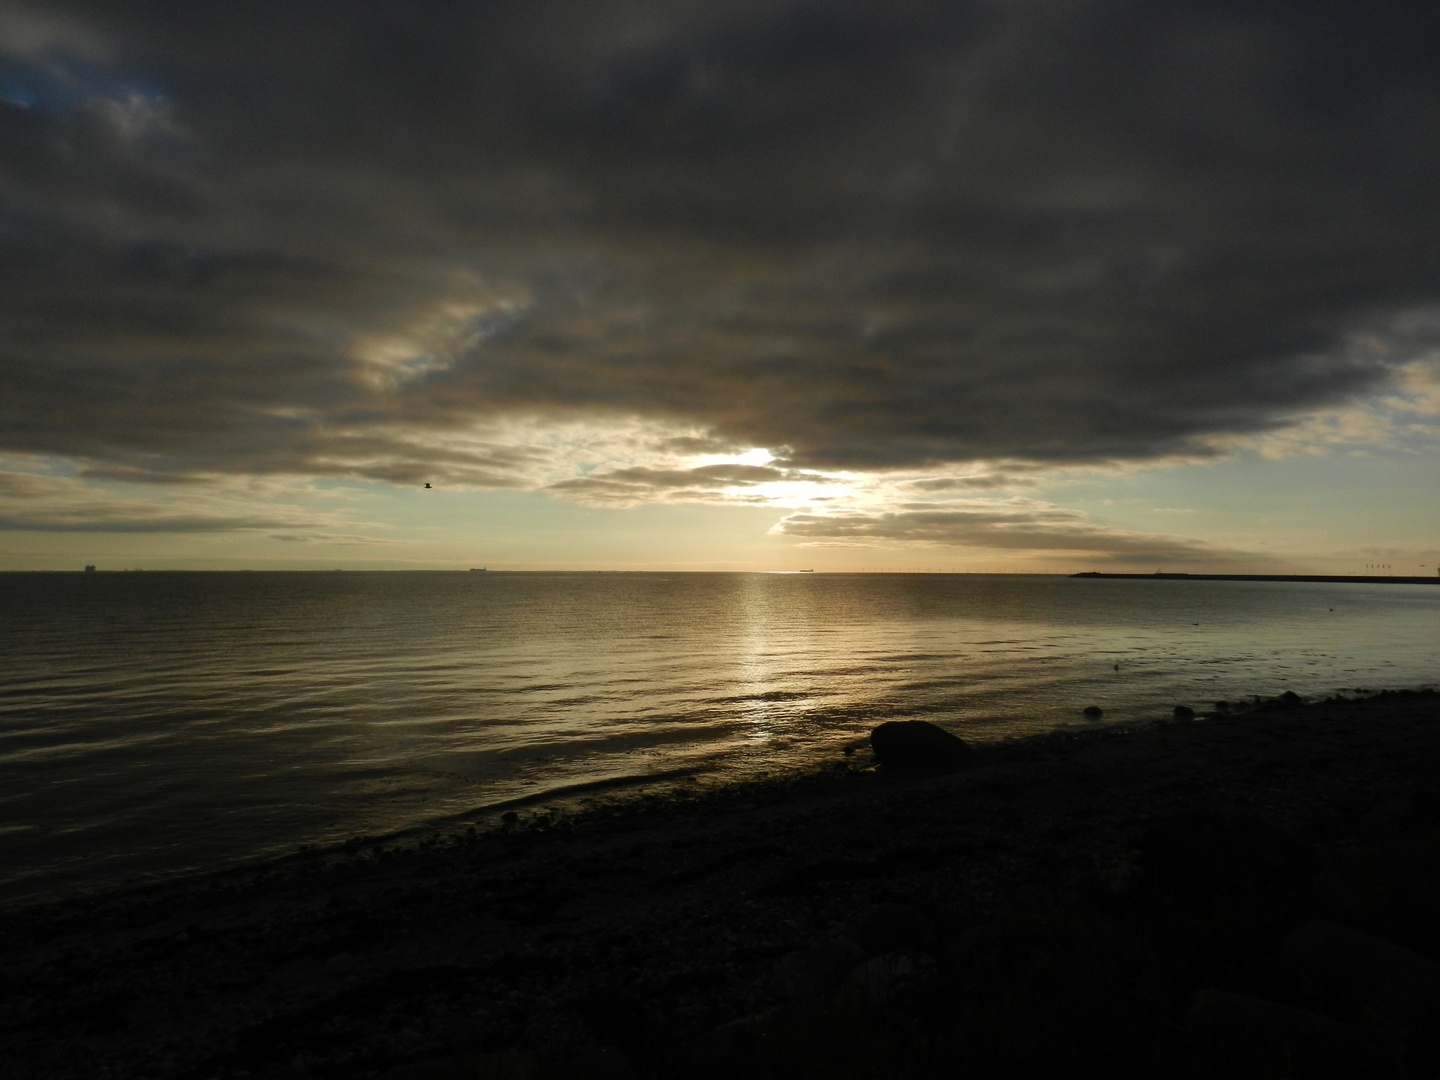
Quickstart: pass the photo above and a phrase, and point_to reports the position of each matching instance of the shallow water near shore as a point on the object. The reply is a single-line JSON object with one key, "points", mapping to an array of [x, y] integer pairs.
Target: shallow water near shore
{"points": [[161, 722]]}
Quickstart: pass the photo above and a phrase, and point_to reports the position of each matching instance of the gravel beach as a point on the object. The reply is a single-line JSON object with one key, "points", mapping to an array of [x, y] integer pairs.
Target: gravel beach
{"points": [[673, 925]]}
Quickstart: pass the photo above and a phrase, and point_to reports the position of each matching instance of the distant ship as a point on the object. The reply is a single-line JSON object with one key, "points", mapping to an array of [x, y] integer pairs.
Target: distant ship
{"points": [[804, 571], [477, 569]]}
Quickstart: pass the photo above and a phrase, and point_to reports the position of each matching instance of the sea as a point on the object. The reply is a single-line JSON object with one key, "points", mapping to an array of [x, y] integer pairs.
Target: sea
{"points": [[158, 723]]}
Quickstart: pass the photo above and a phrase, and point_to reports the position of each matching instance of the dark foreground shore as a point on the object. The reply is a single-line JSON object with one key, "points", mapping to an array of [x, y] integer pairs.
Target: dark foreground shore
{"points": [[1243, 894]]}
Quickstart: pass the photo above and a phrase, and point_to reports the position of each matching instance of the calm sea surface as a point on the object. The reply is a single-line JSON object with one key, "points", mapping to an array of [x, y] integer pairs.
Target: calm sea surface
{"points": [[156, 722]]}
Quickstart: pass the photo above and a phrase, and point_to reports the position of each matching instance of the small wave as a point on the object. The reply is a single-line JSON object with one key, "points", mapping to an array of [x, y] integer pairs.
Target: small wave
{"points": [[767, 695]]}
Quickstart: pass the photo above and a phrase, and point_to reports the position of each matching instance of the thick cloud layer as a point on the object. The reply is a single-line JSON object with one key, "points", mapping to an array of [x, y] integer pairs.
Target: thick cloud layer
{"points": [[340, 238]]}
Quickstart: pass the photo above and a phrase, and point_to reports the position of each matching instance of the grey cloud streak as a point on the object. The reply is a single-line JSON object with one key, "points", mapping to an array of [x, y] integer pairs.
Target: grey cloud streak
{"points": [[977, 482], [707, 483], [30, 502], [1011, 525], [316, 238]]}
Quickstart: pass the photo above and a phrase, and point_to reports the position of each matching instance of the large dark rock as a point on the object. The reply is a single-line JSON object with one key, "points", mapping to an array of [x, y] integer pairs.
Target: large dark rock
{"points": [[917, 744]]}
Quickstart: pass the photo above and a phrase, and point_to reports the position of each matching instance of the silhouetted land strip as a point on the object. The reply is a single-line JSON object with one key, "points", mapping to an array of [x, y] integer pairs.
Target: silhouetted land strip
{"points": [[1149, 901], [1368, 579]]}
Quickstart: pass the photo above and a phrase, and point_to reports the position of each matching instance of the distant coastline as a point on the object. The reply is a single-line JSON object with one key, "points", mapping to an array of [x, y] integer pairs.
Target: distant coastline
{"points": [[1367, 579]]}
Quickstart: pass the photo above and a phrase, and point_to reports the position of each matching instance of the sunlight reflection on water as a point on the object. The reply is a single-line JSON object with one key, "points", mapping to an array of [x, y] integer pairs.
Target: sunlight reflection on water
{"points": [[162, 721]]}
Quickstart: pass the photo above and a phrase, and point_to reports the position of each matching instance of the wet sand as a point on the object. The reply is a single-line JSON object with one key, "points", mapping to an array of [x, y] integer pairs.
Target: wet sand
{"points": [[661, 917]]}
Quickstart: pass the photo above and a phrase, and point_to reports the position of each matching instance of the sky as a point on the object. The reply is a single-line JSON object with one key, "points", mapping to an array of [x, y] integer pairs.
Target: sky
{"points": [[1000, 286]]}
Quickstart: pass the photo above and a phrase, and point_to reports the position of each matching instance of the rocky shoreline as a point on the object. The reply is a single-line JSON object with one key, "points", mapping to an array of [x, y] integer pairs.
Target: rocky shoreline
{"points": [[692, 931]]}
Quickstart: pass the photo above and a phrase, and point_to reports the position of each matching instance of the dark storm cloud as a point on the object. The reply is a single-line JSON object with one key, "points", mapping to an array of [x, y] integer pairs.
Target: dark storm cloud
{"points": [[317, 237], [1012, 525]]}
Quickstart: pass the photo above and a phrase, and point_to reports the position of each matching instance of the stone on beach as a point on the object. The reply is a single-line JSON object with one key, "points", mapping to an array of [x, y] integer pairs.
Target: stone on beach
{"points": [[892, 927], [341, 965], [1092, 712], [1362, 971], [917, 744], [973, 945], [1184, 712], [813, 975], [1202, 855], [876, 980], [504, 1065], [1268, 1038]]}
